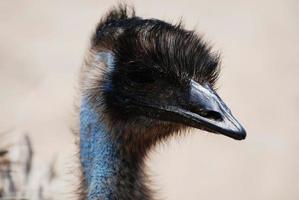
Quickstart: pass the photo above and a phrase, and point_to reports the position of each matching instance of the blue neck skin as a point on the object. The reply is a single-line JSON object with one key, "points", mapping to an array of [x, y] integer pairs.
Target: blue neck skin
{"points": [[99, 154]]}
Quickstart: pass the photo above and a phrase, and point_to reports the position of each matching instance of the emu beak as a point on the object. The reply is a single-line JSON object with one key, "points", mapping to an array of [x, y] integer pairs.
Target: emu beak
{"points": [[206, 110], [199, 107], [202, 109]]}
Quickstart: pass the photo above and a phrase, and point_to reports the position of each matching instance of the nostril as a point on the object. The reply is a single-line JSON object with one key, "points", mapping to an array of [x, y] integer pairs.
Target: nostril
{"points": [[211, 115]]}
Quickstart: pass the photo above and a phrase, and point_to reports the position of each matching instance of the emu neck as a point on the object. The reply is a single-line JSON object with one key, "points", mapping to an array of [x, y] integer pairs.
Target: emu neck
{"points": [[109, 173]]}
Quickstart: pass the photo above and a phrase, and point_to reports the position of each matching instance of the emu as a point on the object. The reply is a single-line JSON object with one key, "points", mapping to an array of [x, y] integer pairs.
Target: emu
{"points": [[142, 81]]}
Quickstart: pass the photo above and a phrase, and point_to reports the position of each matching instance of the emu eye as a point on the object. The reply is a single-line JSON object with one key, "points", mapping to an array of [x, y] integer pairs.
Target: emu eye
{"points": [[141, 76]]}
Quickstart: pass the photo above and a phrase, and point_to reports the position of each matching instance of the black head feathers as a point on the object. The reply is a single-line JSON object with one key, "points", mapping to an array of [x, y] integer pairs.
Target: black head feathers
{"points": [[173, 51]]}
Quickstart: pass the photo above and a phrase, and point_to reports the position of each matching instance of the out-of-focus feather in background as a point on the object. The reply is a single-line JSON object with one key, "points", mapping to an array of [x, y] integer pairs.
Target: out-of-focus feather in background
{"points": [[42, 44]]}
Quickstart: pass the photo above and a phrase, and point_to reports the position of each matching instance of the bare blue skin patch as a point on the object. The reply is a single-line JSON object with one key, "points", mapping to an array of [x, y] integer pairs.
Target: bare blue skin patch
{"points": [[108, 59], [99, 154]]}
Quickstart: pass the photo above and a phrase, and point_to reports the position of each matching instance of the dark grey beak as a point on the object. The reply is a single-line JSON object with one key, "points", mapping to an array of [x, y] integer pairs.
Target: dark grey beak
{"points": [[198, 106], [206, 110]]}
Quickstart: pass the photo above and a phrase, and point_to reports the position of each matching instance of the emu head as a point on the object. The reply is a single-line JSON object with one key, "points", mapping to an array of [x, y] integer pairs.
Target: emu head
{"points": [[157, 77]]}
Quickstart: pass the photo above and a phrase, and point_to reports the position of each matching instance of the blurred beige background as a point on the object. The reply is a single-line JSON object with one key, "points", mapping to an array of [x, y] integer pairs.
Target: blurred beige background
{"points": [[41, 48]]}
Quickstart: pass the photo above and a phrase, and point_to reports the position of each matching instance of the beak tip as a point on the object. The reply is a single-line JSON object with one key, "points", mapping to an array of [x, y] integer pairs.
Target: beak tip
{"points": [[240, 135]]}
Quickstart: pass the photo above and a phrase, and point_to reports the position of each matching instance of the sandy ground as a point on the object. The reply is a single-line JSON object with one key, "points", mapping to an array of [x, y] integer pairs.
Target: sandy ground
{"points": [[41, 48]]}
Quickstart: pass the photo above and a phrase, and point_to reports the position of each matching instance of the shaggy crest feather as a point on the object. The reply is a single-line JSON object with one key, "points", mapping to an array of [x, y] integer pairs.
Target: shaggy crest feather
{"points": [[170, 49]]}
